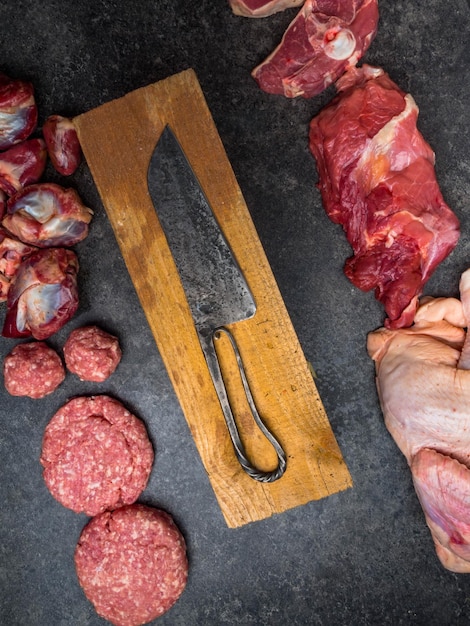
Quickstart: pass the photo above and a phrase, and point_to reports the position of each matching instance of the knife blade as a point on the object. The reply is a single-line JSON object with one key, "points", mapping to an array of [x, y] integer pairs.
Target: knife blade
{"points": [[215, 287]]}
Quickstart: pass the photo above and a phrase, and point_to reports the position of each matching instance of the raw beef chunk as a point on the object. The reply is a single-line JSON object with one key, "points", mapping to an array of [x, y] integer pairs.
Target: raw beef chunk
{"points": [[32, 369], [96, 455], [324, 40], [377, 179], [132, 564]]}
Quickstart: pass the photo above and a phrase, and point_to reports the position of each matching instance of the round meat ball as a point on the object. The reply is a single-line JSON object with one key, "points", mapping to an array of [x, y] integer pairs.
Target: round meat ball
{"points": [[32, 369], [96, 455], [91, 353], [132, 564]]}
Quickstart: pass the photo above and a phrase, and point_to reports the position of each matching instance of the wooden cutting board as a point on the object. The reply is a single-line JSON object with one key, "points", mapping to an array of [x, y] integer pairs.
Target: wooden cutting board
{"points": [[117, 140]]}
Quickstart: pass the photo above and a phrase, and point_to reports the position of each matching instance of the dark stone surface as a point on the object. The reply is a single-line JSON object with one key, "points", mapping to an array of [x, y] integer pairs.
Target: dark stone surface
{"points": [[362, 557]]}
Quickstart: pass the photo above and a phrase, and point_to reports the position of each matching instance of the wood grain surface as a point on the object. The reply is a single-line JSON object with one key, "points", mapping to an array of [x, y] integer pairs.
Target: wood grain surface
{"points": [[117, 140]]}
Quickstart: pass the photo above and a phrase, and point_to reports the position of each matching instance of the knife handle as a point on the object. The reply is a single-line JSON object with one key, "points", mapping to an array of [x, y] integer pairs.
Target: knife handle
{"points": [[210, 353]]}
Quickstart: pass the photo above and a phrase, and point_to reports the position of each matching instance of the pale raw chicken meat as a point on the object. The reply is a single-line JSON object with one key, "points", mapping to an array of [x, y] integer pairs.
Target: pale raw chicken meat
{"points": [[423, 383], [262, 8]]}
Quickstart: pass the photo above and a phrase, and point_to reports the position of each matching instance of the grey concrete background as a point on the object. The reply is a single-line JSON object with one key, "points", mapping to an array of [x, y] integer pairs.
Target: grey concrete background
{"points": [[361, 557]]}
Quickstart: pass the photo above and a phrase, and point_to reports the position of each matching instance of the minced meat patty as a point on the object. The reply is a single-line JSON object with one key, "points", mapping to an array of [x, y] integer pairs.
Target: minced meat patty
{"points": [[132, 564], [91, 353], [96, 455], [32, 369]]}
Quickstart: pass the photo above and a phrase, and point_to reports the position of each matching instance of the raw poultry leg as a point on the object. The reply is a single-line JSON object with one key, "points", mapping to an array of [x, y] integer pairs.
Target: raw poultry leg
{"points": [[423, 382]]}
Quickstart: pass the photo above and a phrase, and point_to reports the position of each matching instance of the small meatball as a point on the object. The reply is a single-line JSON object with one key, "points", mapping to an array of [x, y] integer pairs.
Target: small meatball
{"points": [[96, 455], [132, 564], [32, 369], [91, 353]]}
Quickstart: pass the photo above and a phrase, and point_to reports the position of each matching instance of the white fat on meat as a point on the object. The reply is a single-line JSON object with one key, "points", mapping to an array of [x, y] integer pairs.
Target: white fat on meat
{"points": [[423, 383]]}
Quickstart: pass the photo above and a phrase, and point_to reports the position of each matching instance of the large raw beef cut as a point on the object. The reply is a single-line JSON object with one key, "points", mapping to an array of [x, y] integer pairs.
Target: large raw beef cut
{"points": [[423, 382], [377, 179], [325, 39], [262, 8]]}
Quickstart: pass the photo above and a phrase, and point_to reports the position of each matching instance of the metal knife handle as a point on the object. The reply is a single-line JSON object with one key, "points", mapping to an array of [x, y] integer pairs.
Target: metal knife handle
{"points": [[208, 347]]}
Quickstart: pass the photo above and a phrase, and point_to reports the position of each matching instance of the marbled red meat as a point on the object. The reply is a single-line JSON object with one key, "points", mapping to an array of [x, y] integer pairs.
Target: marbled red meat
{"points": [[91, 353], [96, 455], [43, 295], [325, 39], [423, 383], [32, 369], [132, 564], [377, 179], [262, 8]]}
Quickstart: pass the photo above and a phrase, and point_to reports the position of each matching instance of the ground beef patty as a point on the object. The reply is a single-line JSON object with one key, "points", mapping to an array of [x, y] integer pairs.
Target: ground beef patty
{"points": [[131, 564], [91, 353], [32, 369], [96, 455]]}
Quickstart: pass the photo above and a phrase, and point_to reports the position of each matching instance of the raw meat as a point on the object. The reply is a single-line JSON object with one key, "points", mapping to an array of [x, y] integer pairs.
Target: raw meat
{"points": [[262, 8], [47, 214], [3, 203], [32, 369], [43, 295], [18, 111], [377, 179], [12, 254], [423, 382], [62, 144], [96, 455], [91, 353], [22, 165], [132, 564], [325, 39]]}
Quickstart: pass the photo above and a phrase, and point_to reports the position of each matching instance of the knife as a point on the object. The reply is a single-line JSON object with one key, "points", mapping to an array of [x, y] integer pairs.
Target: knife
{"points": [[214, 285]]}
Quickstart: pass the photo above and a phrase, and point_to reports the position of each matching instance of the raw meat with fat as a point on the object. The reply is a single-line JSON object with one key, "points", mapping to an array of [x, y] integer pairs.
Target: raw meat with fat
{"points": [[91, 353], [43, 294], [324, 40], [22, 165], [423, 382], [12, 253], [262, 8], [96, 455], [62, 144], [132, 564], [377, 179], [32, 369], [18, 111], [47, 214]]}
